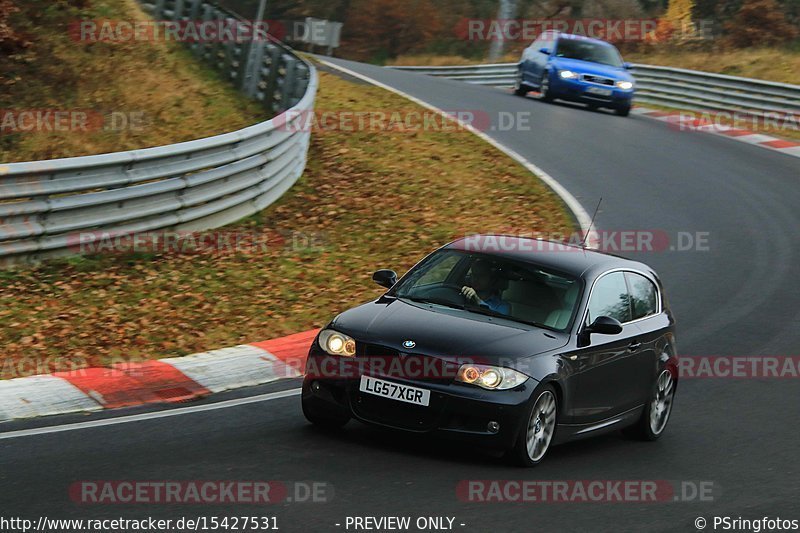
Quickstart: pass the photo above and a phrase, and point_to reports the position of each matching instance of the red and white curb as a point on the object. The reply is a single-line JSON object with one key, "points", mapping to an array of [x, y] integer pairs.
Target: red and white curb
{"points": [[689, 121], [174, 379]]}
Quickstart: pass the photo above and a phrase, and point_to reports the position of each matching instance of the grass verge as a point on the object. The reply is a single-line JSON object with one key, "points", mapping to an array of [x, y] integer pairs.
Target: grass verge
{"points": [[368, 199], [771, 64], [168, 94]]}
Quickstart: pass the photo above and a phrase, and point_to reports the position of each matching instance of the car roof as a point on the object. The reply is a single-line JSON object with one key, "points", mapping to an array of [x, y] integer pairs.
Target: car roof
{"points": [[570, 259], [559, 34]]}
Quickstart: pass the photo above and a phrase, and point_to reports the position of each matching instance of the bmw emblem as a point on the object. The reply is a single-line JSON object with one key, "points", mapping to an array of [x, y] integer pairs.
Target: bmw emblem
{"points": [[409, 344]]}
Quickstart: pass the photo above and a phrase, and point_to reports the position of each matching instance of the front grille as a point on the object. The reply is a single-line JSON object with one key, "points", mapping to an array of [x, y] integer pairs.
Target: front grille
{"points": [[396, 413], [413, 369], [600, 80], [375, 350]]}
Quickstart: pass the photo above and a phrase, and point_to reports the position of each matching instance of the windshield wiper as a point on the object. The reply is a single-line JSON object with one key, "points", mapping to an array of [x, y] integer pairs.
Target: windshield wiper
{"points": [[422, 300], [488, 312]]}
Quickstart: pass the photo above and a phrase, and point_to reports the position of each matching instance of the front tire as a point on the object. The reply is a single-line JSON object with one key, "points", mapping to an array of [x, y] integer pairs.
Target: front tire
{"points": [[536, 435], [519, 88], [544, 88], [623, 110], [656, 413]]}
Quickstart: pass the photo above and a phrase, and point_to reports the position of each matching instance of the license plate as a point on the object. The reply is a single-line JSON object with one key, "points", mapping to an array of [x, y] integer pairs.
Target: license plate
{"points": [[395, 391], [599, 91]]}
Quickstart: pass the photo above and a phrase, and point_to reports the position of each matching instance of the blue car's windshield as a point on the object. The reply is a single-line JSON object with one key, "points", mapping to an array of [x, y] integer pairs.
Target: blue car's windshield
{"points": [[485, 284], [585, 50]]}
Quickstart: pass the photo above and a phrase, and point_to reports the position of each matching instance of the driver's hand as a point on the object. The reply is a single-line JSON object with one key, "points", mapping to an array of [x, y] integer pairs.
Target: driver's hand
{"points": [[470, 294]]}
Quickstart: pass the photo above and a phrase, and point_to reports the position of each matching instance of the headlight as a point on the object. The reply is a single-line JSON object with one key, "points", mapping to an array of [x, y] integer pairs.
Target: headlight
{"points": [[625, 85], [336, 343], [490, 377], [567, 74]]}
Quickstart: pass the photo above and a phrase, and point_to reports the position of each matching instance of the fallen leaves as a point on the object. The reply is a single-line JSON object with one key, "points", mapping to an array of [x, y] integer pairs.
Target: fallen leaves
{"points": [[366, 201]]}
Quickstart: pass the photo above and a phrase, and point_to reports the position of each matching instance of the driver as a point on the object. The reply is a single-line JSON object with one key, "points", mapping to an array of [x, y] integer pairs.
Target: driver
{"points": [[484, 290]]}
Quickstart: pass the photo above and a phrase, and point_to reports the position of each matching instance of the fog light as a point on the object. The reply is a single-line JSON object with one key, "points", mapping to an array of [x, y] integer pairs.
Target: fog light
{"points": [[493, 426]]}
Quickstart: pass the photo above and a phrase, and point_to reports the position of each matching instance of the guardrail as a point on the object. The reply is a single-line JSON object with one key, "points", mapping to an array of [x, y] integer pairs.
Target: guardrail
{"points": [[262, 69], [665, 86], [54, 207]]}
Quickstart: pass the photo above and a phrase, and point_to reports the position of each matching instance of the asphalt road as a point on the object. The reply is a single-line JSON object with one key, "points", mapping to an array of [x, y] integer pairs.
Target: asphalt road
{"points": [[739, 297]]}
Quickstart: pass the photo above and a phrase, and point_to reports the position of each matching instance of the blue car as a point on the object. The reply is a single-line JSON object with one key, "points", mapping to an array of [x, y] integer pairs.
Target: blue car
{"points": [[576, 69]]}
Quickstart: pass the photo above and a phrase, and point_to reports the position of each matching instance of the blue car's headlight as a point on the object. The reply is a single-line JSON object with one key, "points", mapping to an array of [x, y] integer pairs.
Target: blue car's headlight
{"points": [[625, 85], [567, 74]]}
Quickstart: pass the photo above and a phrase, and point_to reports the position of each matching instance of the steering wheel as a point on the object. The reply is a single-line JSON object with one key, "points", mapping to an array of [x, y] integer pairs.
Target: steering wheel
{"points": [[448, 292]]}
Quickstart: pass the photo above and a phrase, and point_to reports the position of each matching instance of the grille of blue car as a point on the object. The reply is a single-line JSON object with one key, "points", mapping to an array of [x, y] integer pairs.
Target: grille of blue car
{"points": [[598, 79]]}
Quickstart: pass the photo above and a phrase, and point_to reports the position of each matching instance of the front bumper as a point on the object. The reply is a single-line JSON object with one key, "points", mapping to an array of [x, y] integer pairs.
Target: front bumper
{"points": [[455, 410], [577, 90]]}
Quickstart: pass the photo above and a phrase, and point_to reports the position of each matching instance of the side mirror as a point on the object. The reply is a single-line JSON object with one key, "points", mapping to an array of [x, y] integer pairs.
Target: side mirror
{"points": [[385, 278], [605, 325], [545, 51], [627, 66]]}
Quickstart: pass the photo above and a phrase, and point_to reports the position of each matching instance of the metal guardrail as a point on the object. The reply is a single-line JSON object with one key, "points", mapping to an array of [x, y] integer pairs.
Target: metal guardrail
{"points": [[264, 69], [494, 74], [665, 86], [51, 207]]}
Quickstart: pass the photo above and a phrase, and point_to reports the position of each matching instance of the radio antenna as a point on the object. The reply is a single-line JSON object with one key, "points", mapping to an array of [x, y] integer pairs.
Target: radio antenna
{"points": [[591, 224]]}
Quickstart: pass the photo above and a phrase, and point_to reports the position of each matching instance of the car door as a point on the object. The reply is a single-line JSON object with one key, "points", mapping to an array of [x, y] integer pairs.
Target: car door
{"points": [[653, 325], [603, 372], [539, 60], [527, 62]]}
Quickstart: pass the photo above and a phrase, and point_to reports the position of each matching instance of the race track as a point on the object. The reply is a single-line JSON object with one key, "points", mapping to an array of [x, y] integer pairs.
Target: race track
{"points": [[739, 297]]}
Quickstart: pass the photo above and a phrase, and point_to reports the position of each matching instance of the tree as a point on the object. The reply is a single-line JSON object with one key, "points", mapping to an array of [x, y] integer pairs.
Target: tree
{"points": [[676, 24], [506, 10], [761, 23], [388, 28]]}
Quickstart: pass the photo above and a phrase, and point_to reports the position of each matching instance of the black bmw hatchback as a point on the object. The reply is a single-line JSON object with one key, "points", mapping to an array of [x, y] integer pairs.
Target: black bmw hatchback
{"points": [[510, 342]]}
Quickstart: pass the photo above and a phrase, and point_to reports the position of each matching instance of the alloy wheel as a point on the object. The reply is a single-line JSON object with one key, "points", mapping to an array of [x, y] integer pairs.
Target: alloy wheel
{"points": [[541, 426], [661, 404]]}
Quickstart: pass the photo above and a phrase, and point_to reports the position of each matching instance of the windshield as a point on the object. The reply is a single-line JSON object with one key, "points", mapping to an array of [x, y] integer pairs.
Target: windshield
{"points": [[588, 51], [488, 285]]}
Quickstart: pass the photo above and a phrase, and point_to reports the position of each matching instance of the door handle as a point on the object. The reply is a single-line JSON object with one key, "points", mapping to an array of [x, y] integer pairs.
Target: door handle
{"points": [[632, 347]]}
